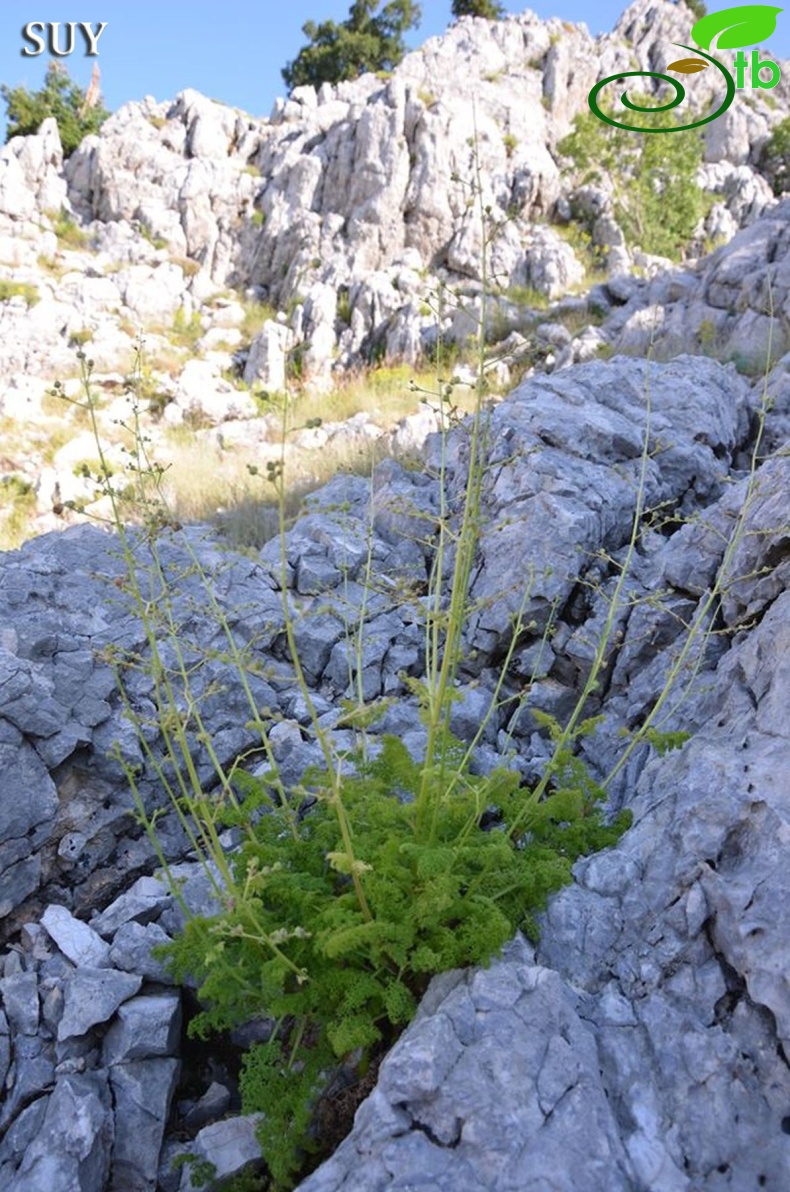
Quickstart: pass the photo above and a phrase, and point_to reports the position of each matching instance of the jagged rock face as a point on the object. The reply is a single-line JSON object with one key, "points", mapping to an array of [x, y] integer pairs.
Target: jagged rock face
{"points": [[732, 305], [347, 208], [644, 1042], [362, 188], [667, 944]]}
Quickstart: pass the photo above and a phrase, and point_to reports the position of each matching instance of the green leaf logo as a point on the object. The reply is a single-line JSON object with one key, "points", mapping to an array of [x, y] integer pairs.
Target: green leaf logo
{"points": [[742, 26], [687, 65]]}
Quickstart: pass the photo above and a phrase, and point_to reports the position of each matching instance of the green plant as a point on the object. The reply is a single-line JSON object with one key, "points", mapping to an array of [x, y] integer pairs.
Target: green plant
{"points": [[157, 242], [258, 218], [344, 306], [581, 242], [19, 289], [510, 141], [657, 200], [365, 41], [17, 507], [255, 315], [188, 266], [775, 157], [67, 230], [349, 891], [527, 296], [77, 112], [186, 329], [336, 919], [489, 9], [78, 339]]}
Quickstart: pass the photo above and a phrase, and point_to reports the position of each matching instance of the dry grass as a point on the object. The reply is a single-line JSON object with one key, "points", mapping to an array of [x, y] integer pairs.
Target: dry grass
{"points": [[387, 394], [206, 484], [255, 315]]}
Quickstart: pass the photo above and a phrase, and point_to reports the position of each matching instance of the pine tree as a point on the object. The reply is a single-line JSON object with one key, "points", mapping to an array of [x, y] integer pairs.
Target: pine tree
{"points": [[489, 9], [365, 41], [60, 97]]}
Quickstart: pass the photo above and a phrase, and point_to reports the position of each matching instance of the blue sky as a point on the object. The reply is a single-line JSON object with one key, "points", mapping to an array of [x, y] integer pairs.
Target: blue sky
{"points": [[232, 51]]}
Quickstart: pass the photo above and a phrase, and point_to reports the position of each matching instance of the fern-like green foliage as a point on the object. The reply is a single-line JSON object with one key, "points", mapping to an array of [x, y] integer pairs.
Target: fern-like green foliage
{"points": [[662, 742], [442, 891]]}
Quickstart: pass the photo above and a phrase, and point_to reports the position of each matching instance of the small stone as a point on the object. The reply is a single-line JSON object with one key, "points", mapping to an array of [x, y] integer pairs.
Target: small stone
{"points": [[52, 1008], [93, 996], [20, 1000], [212, 1105], [143, 902], [132, 947], [12, 964], [145, 1026], [71, 845], [230, 1145], [76, 940]]}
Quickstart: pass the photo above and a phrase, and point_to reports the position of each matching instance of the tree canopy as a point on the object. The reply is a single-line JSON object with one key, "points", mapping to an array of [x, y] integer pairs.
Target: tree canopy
{"points": [[367, 40], [76, 112], [489, 9]]}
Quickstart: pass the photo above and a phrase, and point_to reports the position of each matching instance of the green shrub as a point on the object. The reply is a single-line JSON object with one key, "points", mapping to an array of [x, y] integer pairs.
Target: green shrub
{"points": [[510, 141], [657, 200], [255, 315], [17, 508], [697, 9], [346, 936], [775, 157], [490, 9], [185, 330], [19, 289], [67, 230], [59, 97], [363, 42], [348, 892], [188, 266], [79, 338], [527, 296], [344, 306], [157, 242]]}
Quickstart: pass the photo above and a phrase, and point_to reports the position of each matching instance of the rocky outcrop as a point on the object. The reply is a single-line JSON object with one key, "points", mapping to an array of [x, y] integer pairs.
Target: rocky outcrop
{"points": [[348, 206], [641, 1044], [506, 1074], [731, 305], [344, 228], [644, 1041]]}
